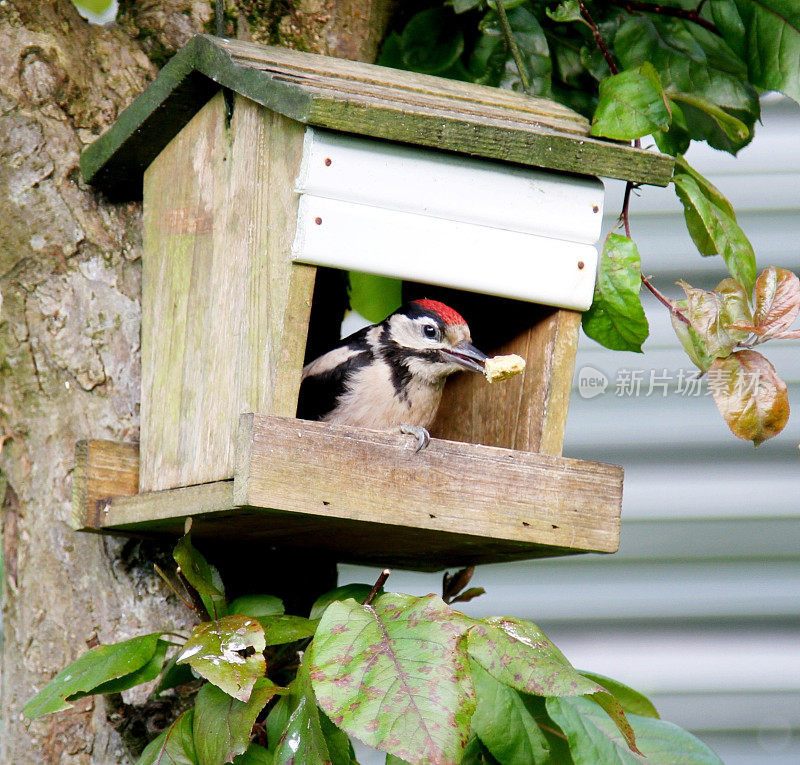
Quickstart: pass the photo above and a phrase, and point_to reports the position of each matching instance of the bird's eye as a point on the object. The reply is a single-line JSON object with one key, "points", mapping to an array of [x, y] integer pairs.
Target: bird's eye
{"points": [[430, 331]]}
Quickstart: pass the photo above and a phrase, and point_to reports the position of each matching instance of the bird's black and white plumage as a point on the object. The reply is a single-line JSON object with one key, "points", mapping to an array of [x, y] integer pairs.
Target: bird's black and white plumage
{"points": [[390, 375]]}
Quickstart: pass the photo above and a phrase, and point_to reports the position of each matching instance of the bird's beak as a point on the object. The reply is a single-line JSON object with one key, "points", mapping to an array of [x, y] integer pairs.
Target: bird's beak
{"points": [[466, 356]]}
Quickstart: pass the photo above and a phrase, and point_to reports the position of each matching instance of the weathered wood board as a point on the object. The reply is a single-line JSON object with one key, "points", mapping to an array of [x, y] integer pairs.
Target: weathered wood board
{"points": [[226, 311], [362, 99], [365, 496]]}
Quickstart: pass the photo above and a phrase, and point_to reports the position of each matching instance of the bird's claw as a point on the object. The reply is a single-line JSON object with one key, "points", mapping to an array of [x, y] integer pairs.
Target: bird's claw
{"points": [[422, 435]]}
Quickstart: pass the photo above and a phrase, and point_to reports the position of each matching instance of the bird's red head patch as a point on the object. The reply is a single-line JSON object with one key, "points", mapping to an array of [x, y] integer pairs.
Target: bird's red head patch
{"points": [[444, 312]]}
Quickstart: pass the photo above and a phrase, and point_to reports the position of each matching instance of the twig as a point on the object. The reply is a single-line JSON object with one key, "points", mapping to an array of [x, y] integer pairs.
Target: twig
{"points": [[598, 38], [219, 12], [199, 606], [689, 14], [512, 45], [666, 301], [377, 586], [172, 587]]}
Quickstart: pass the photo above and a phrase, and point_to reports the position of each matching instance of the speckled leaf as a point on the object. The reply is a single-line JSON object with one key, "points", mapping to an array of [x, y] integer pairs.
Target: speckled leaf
{"points": [[358, 592], [631, 105], [227, 652], [504, 724], [593, 738], [616, 318], [749, 395], [96, 667], [631, 701], [175, 746], [715, 232], [395, 675], [201, 575], [222, 725], [517, 653]]}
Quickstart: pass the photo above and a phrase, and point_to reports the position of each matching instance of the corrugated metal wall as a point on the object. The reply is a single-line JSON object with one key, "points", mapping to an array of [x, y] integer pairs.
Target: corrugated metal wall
{"points": [[701, 606]]}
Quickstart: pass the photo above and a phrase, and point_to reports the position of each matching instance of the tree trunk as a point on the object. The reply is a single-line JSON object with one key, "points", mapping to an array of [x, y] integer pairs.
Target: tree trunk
{"points": [[69, 339]]}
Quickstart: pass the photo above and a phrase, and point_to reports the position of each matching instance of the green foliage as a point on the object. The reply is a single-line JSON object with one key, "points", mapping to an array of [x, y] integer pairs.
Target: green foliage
{"points": [[409, 675], [616, 318], [679, 80], [204, 578], [102, 665], [632, 104]]}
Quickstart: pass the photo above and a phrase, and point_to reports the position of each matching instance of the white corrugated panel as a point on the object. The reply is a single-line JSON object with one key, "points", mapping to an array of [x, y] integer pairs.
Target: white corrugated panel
{"points": [[701, 606]]}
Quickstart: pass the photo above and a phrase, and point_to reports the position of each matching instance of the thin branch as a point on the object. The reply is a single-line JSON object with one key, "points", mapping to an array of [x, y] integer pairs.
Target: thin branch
{"points": [[689, 14], [598, 38], [377, 586], [199, 605], [512, 46], [172, 587], [666, 301]]}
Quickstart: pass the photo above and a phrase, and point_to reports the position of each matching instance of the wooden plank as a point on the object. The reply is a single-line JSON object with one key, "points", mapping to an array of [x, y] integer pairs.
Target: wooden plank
{"points": [[364, 496], [225, 312], [332, 471], [103, 469], [363, 99]]}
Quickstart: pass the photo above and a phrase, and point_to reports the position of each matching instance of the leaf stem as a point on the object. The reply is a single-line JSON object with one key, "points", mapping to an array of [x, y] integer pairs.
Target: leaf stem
{"points": [[197, 601], [172, 587], [598, 38], [689, 14], [666, 301], [512, 46], [377, 586]]}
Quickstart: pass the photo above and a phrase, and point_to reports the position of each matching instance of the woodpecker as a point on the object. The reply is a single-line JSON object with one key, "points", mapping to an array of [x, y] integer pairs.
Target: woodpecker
{"points": [[391, 375]]}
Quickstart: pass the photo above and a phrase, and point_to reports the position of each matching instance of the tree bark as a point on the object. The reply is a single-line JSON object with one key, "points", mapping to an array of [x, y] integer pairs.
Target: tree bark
{"points": [[69, 338]]}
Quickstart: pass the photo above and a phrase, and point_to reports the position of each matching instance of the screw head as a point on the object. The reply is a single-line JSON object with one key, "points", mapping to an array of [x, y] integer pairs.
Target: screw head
{"points": [[581, 265], [327, 161], [318, 221]]}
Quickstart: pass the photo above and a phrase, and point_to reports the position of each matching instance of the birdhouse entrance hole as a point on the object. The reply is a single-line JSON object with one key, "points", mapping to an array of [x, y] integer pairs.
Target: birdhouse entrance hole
{"points": [[261, 169]]}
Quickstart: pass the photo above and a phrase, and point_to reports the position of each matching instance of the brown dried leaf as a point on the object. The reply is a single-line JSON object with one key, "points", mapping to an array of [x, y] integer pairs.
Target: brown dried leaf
{"points": [[777, 295], [749, 395]]}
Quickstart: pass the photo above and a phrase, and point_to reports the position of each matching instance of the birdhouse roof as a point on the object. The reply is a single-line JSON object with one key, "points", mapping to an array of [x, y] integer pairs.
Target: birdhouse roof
{"points": [[362, 99]]}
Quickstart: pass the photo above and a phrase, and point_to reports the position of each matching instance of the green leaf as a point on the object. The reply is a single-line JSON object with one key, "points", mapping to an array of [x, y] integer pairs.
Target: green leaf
{"points": [[691, 60], [255, 755], [616, 318], [533, 46], [715, 232], [676, 140], [766, 35], [566, 11], [173, 675], [175, 746], [749, 395], [222, 725], [631, 701], [374, 297], [257, 606], [632, 105], [303, 740], [395, 675], [287, 629], [100, 665], [709, 190], [358, 592], [228, 653], [432, 41], [201, 575], [95, 6], [476, 753], [144, 674], [504, 724], [594, 739], [735, 129], [517, 653]]}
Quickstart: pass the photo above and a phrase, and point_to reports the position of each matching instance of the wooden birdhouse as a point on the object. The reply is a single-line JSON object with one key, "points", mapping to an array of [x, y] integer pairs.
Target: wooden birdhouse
{"points": [[257, 165]]}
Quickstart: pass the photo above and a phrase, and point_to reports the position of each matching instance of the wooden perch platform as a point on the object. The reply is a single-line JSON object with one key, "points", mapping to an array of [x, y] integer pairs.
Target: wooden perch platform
{"points": [[364, 496]]}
